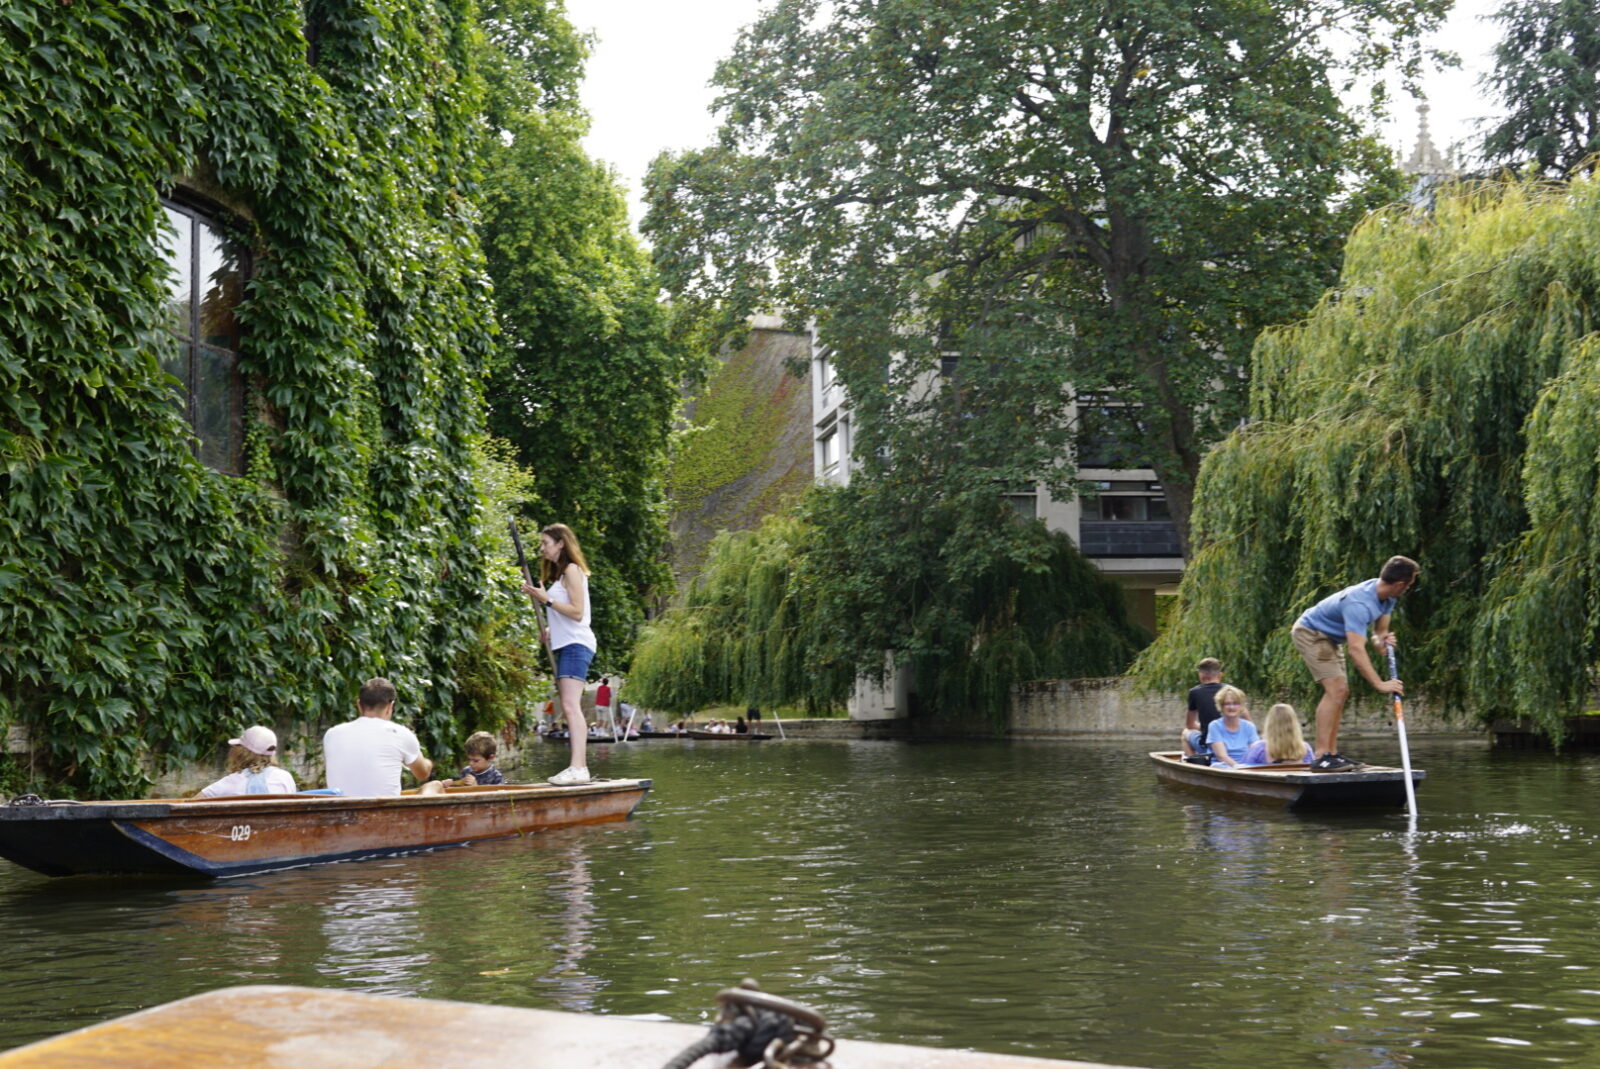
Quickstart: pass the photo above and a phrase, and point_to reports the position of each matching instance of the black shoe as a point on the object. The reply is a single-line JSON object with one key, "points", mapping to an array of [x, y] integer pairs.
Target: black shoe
{"points": [[1332, 762], [1198, 759]]}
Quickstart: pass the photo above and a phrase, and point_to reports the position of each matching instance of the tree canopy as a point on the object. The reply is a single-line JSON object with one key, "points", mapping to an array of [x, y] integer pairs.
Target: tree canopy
{"points": [[1055, 197], [587, 383], [1439, 403], [1547, 74]]}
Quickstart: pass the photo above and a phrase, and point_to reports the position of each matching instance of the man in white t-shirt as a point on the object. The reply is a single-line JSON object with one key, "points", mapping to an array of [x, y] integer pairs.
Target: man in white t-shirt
{"points": [[365, 755]]}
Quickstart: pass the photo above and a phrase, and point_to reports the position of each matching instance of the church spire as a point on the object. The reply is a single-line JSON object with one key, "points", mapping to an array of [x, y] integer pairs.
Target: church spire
{"points": [[1425, 160]]}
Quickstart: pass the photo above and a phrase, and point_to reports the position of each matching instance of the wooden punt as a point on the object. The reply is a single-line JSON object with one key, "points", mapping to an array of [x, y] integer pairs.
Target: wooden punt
{"points": [[1294, 786], [235, 836], [727, 736], [564, 737]]}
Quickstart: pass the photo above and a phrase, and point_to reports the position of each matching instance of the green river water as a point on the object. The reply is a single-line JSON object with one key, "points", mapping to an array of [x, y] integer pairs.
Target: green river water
{"points": [[1035, 898]]}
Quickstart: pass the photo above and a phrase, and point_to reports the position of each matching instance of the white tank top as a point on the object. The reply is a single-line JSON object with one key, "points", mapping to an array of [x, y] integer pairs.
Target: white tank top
{"points": [[564, 630]]}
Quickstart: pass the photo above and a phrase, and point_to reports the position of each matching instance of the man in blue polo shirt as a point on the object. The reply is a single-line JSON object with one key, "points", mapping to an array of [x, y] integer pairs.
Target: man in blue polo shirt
{"points": [[1341, 619]]}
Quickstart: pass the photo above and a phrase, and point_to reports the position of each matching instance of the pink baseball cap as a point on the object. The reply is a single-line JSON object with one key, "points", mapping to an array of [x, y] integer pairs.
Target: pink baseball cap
{"points": [[257, 739]]}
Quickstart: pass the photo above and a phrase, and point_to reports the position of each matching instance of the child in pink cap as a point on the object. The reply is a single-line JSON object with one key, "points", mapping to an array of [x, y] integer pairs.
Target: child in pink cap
{"points": [[252, 767]]}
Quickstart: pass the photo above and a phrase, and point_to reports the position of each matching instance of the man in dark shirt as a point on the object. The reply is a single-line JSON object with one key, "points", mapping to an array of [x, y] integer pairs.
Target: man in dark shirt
{"points": [[1202, 705]]}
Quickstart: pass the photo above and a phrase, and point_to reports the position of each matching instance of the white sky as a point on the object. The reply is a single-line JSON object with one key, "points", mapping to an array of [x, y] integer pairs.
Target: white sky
{"points": [[647, 83]]}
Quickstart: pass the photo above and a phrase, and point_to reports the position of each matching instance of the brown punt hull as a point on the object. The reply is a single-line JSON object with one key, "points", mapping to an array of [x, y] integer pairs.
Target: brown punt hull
{"points": [[246, 834], [727, 736], [1294, 786]]}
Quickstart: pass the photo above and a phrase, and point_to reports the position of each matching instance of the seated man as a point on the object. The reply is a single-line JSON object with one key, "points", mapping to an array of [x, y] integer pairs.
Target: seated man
{"points": [[365, 755], [1202, 707]]}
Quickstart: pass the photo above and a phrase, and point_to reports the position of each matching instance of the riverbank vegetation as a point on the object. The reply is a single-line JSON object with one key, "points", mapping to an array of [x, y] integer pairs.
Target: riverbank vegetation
{"points": [[967, 598], [1440, 402]]}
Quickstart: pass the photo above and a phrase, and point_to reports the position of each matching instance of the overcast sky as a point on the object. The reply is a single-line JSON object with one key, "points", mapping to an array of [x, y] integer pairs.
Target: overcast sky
{"points": [[647, 88]]}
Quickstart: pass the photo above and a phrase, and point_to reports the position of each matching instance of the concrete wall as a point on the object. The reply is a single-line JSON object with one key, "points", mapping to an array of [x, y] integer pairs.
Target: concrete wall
{"points": [[1113, 706]]}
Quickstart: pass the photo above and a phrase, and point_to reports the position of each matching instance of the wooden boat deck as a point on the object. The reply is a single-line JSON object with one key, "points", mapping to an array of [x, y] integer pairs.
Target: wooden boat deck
{"points": [[1295, 786], [293, 1028]]}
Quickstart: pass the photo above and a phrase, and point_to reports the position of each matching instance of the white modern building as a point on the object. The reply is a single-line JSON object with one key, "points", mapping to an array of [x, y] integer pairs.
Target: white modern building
{"points": [[1120, 520]]}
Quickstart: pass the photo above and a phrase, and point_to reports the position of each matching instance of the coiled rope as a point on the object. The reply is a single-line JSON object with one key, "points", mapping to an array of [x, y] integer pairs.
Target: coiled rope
{"points": [[764, 1030]]}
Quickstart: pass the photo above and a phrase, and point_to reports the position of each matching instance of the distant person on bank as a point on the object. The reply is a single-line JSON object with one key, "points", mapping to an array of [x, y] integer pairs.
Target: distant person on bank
{"points": [[1339, 620], [602, 704], [1232, 733], [1202, 707], [564, 590], [365, 756], [252, 767], [1281, 742]]}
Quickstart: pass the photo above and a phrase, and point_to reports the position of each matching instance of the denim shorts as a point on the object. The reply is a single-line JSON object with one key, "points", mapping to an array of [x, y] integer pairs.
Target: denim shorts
{"points": [[572, 661]]}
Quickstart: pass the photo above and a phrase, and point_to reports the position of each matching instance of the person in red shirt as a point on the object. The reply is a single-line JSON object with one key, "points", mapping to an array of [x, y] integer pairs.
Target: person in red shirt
{"points": [[602, 704]]}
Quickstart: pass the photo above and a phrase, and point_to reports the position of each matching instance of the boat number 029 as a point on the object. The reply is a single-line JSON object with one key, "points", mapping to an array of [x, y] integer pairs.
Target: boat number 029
{"points": [[239, 833]]}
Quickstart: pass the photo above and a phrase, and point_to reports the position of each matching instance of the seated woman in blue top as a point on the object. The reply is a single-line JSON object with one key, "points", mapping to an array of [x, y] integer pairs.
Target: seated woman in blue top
{"points": [[1282, 744], [1230, 735]]}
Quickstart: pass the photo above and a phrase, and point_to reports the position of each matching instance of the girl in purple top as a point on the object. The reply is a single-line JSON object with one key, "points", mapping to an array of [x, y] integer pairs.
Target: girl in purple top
{"points": [[1283, 744]]}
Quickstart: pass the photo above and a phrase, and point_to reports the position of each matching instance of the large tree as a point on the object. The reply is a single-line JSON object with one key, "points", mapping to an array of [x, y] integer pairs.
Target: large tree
{"points": [[990, 209], [1547, 74], [588, 382]]}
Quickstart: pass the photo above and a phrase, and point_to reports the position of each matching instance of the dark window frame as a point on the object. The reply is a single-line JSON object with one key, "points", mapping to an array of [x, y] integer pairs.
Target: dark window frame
{"points": [[193, 347]]}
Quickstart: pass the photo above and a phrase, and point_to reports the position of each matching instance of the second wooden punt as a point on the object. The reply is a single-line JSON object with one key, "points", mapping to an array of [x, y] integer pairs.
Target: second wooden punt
{"points": [[727, 736], [1294, 786], [244, 834], [563, 737]]}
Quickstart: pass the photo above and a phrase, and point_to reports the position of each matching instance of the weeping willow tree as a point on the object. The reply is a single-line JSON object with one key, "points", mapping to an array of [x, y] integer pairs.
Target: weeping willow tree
{"points": [[744, 634], [969, 598], [1440, 403]]}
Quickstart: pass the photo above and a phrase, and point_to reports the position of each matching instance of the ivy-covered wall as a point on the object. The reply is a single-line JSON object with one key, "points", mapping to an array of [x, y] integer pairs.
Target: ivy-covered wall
{"points": [[746, 453], [148, 604]]}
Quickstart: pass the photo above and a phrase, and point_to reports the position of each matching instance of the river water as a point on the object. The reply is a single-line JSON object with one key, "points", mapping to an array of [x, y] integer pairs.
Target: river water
{"points": [[1028, 897]]}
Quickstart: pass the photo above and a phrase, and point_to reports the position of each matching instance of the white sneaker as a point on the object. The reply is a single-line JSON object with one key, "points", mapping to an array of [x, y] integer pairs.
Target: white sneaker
{"points": [[570, 777]]}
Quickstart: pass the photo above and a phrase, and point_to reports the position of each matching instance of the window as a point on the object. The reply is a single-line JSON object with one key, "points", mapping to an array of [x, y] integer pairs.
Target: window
{"points": [[830, 451], [1108, 436], [206, 274], [1130, 509], [825, 370], [1025, 505]]}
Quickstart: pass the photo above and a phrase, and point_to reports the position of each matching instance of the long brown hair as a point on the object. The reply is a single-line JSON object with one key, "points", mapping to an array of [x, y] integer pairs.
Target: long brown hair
{"points": [[242, 759], [571, 553]]}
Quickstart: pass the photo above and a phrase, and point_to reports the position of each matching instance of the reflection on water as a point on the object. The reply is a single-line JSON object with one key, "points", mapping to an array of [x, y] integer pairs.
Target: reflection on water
{"points": [[571, 987], [1046, 898]]}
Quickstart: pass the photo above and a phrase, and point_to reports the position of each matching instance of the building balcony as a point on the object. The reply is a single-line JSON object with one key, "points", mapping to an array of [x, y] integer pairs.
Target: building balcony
{"points": [[1148, 538]]}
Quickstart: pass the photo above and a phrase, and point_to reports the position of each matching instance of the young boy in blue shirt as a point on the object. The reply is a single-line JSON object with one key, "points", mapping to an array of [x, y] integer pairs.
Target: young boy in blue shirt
{"points": [[480, 771]]}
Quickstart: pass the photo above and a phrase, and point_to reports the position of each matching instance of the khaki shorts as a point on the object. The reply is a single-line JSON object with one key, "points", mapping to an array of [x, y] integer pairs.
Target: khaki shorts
{"points": [[1322, 655]]}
